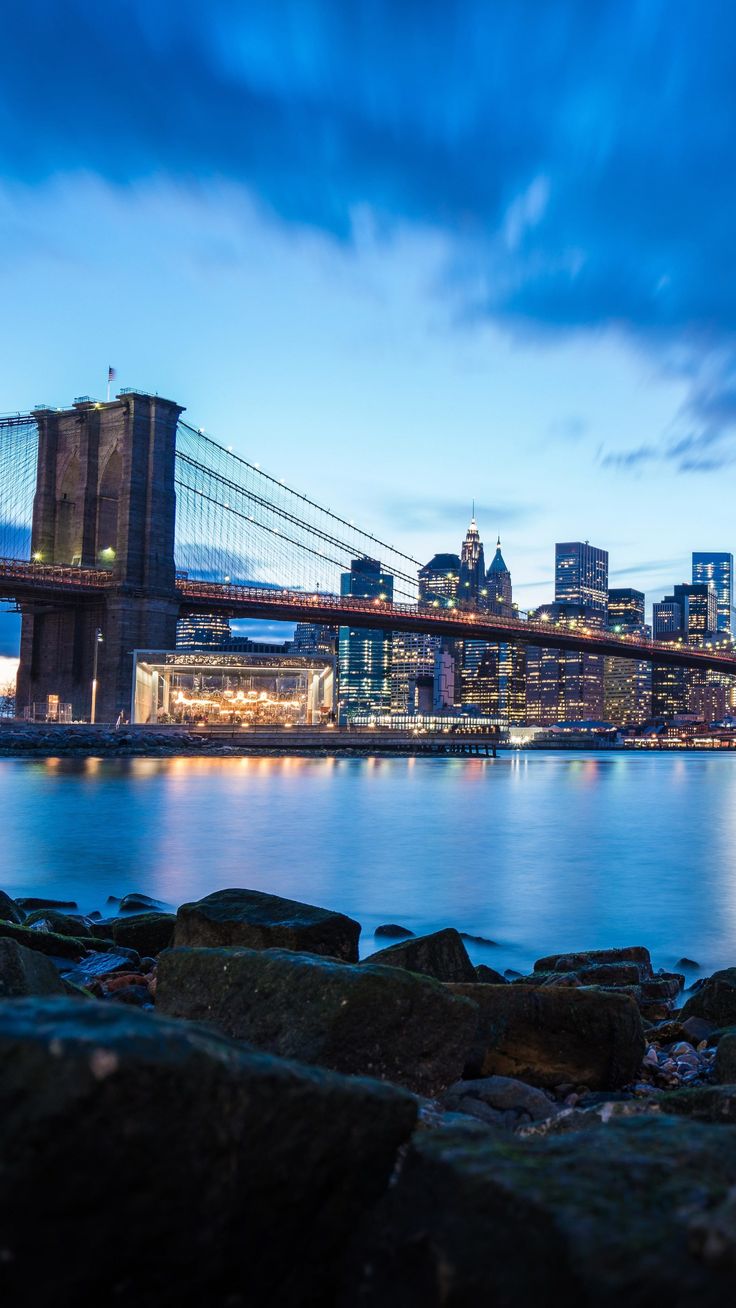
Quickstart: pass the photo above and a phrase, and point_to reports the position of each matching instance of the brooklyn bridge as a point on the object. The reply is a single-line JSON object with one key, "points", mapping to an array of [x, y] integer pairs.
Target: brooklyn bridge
{"points": [[122, 517]]}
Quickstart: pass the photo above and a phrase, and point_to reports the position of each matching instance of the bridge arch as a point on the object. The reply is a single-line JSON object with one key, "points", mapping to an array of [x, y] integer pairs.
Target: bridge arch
{"points": [[68, 526], [108, 504]]}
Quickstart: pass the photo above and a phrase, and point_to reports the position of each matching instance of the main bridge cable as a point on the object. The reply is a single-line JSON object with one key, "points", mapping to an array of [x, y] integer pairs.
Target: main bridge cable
{"points": [[194, 431], [280, 512]]}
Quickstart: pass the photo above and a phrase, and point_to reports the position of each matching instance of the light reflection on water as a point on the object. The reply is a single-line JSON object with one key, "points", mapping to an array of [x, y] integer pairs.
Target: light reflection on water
{"points": [[536, 851]]}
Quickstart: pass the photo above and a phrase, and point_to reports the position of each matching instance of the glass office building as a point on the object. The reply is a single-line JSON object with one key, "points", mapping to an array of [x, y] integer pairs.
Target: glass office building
{"points": [[581, 576], [715, 568], [364, 656]]}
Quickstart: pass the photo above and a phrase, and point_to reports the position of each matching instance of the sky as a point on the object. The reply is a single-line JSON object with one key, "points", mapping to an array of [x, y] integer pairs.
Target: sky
{"points": [[406, 254]]}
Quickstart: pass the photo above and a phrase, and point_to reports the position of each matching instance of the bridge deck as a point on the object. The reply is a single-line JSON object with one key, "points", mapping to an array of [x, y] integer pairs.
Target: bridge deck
{"points": [[55, 583]]}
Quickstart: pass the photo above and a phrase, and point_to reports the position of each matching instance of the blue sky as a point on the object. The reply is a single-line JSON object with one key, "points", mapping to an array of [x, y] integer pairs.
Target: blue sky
{"points": [[403, 253]]}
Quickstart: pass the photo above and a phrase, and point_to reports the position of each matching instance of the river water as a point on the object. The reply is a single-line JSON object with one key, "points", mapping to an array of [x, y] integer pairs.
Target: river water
{"points": [[536, 852]]}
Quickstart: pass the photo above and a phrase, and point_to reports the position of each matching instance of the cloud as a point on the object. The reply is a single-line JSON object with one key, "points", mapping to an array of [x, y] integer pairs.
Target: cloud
{"points": [[581, 179], [417, 514]]}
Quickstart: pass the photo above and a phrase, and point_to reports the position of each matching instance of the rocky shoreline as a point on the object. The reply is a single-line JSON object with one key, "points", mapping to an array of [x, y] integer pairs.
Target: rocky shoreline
{"points": [[221, 1104]]}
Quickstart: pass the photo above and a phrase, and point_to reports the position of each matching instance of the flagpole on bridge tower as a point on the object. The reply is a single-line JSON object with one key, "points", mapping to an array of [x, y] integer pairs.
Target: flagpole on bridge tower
{"points": [[111, 375]]}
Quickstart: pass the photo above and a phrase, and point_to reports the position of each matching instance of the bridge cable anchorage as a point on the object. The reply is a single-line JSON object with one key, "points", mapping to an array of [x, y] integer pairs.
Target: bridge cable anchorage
{"points": [[234, 520]]}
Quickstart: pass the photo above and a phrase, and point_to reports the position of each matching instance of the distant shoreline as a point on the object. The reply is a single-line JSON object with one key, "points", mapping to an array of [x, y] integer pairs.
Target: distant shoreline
{"points": [[102, 741]]}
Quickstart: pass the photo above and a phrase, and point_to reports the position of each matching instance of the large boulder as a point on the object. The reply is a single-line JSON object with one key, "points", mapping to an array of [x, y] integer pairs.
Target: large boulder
{"points": [[586, 958], [715, 1000], [64, 924], [9, 910], [725, 1063], [595, 1219], [554, 1036], [500, 1101], [25, 972], [703, 1103], [156, 1164], [44, 942], [371, 1021], [441, 955], [147, 933], [259, 921]]}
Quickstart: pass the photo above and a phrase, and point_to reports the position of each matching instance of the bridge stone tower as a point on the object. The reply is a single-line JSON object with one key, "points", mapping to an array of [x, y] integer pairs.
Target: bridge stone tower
{"points": [[105, 498]]}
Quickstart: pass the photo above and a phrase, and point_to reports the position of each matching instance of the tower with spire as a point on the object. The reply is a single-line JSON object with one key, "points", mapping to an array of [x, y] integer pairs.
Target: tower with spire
{"points": [[498, 584], [472, 584]]}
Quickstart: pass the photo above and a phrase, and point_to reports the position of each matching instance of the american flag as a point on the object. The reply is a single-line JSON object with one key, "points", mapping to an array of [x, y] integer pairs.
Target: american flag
{"points": [[111, 374]]}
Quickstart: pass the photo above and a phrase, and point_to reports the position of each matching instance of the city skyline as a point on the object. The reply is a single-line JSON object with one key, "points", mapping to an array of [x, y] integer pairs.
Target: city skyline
{"points": [[377, 285]]}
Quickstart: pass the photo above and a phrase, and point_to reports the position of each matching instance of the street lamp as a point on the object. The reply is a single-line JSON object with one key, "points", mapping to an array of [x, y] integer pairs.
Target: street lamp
{"points": [[98, 641]]}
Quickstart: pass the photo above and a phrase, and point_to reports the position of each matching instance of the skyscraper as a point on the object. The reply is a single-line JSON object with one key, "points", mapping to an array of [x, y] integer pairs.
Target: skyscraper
{"points": [[364, 656], [472, 584], [493, 673], [439, 580], [498, 585], [581, 576], [202, 631], [627, 684], [688, 615], [716, 567], [563, 685]]}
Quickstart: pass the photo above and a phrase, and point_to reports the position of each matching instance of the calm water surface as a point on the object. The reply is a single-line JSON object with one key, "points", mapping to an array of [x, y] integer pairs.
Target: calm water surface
{"points": [[539, 852]]}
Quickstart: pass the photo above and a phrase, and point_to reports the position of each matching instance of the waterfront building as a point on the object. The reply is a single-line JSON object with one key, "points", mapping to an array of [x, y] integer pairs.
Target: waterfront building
{"points": [[232, 689], [563, 685], [364, 656], [493, 680], [202, 631], [715, 568], [439, 580], [627, 683]]}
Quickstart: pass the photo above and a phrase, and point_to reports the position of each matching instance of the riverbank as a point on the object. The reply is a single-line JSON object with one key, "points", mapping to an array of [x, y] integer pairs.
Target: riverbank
{"points": [[394, 1131], [45, 740]]}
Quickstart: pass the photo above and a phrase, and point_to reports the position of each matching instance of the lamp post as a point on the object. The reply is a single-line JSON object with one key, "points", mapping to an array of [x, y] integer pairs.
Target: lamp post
{"points": [[98, 641]]}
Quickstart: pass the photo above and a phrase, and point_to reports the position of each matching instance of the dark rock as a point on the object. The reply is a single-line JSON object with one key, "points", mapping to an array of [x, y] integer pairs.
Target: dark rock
{"points": [[697, 1029], [666, 1033], [489, 976], [45, 942], [551, 1035], [26, 972], [96, 966], [703, 1103], [391, 931], [573, 962], [502, 1094], [724, 1068], [715, 1000], [441, 955], [479, 940], [686, 963], [29, 904], [64, 924], [511, 974], [364, 1020], [136, 903], [257, 921], [147, 933], [9, 910], [593, 1219], [138, 995], [194, 1171]]}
